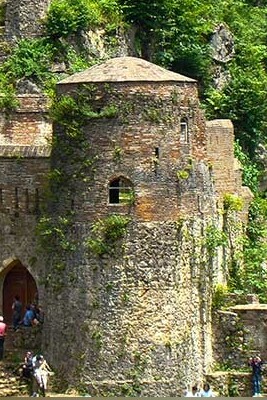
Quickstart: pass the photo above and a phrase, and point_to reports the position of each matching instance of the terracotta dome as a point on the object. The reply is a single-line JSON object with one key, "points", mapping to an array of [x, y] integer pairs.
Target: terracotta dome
{"points": [[126, 69]]}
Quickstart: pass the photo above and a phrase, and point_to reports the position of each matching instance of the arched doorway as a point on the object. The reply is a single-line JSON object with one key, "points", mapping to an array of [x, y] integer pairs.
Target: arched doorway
{"points": [[18, 281]]}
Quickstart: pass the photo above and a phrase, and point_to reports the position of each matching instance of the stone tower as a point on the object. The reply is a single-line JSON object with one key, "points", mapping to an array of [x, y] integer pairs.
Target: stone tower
{"points": [[23, 18], [132, 312], [122, 264]]}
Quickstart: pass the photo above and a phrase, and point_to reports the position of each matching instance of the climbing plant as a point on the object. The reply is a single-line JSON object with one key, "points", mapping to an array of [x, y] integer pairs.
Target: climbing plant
{"points": [[105, 233]]}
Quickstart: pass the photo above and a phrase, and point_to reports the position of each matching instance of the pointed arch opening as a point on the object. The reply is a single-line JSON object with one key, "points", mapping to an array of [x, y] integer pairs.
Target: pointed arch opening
{"points": [[18, 282], [121, 191]]}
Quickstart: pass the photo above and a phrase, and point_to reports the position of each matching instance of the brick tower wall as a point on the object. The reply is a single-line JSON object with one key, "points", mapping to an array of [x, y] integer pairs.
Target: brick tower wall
{"points": [[127, 319], [149, 117]]}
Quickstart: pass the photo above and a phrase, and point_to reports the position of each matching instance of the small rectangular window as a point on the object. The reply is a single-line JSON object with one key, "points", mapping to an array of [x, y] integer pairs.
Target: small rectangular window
{"points": [[184, 132]]}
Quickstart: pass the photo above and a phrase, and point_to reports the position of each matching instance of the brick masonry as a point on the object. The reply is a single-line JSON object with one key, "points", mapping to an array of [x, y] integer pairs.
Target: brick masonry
{"points": [[125, 322]]}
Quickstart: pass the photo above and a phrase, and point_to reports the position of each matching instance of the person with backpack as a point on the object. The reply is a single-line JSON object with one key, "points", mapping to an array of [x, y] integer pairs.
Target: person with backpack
{"points": [[27, 370]]}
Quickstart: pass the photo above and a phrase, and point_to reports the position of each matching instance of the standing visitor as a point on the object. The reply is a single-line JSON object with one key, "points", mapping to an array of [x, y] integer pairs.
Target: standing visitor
{"points": [[206, 391], [27, 371], [256, 364], [17, 309], [194, 392], [41, 373], [3, 331]]}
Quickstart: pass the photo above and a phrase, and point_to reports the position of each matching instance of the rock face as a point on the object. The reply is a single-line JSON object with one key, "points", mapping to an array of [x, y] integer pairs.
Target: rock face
{"points": [[222, 51], [222, 44]]}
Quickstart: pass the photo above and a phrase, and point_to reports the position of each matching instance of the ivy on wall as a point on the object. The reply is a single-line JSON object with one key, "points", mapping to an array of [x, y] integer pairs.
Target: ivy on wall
{"points": [[70, 114], [105, 232]]}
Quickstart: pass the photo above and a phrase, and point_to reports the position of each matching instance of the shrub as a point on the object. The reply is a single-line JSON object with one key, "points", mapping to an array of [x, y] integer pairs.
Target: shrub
{"points": [[232, 202], [219, 295], [66, 17], [106, 232], [30, 59]]}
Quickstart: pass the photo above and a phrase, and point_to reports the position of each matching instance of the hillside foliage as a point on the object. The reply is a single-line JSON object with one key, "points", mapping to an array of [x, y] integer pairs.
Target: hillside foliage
{"points": [[176, 35]]}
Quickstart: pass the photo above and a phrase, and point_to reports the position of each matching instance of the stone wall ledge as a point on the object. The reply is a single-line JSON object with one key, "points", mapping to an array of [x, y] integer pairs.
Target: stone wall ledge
{"points": [[16, 151], [218, 374], [249, 307]]}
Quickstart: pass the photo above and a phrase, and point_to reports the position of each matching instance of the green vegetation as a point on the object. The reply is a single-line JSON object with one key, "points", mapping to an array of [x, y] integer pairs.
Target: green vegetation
{"points": [[182, 174], [105, 233], [177, 36], [232, 202], [214, 238], [66, 17], [219, 296]]}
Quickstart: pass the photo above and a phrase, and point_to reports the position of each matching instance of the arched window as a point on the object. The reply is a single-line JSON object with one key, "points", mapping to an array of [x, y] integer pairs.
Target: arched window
{"points": [[184, 130], [121, 191]]}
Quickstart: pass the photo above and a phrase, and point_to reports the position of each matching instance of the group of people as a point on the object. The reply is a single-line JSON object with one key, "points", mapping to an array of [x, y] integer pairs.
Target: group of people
{"points": [[33, 315], [36, 371], [196, 392]]}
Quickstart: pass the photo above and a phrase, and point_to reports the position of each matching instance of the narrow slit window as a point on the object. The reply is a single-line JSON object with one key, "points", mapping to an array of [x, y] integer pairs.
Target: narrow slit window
{"points": [[72, 205], [121, 191], [16, 198], [37, 201], [156, 152], [184, 130], [27, 200], [1, 197]]}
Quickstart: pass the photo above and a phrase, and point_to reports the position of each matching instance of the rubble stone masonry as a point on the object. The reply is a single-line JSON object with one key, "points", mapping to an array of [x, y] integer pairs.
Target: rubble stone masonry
{"points": [[136, 318]]}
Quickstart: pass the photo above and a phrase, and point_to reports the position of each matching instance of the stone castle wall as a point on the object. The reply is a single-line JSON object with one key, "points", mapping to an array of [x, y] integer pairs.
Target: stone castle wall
{"points": [[23, 180], [138, 319], [226, 168], [146, 302], [23, 18]]}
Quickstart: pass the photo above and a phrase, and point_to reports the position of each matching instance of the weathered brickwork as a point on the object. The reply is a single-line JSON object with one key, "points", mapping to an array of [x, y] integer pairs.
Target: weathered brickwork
{"points": [[28, 124], [226, 168], [148, 122], [147, 304], [142, 313], [122, 321]]}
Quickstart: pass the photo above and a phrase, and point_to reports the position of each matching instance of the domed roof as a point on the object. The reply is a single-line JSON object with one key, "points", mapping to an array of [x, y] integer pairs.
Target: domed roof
{"points": [[125, 69]]}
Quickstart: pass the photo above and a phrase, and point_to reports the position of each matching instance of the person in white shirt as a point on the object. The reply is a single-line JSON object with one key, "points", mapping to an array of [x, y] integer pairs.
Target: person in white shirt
{"points": [[41, 372], [206, 391]]}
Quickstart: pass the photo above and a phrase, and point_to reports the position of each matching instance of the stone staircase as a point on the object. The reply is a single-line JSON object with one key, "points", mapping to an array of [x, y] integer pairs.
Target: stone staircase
{"points": [[16, 344], [10, 382]]}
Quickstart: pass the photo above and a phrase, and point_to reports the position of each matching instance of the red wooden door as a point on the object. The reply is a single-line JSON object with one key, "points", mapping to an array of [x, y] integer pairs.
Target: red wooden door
{"points": [[18, 281]]}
